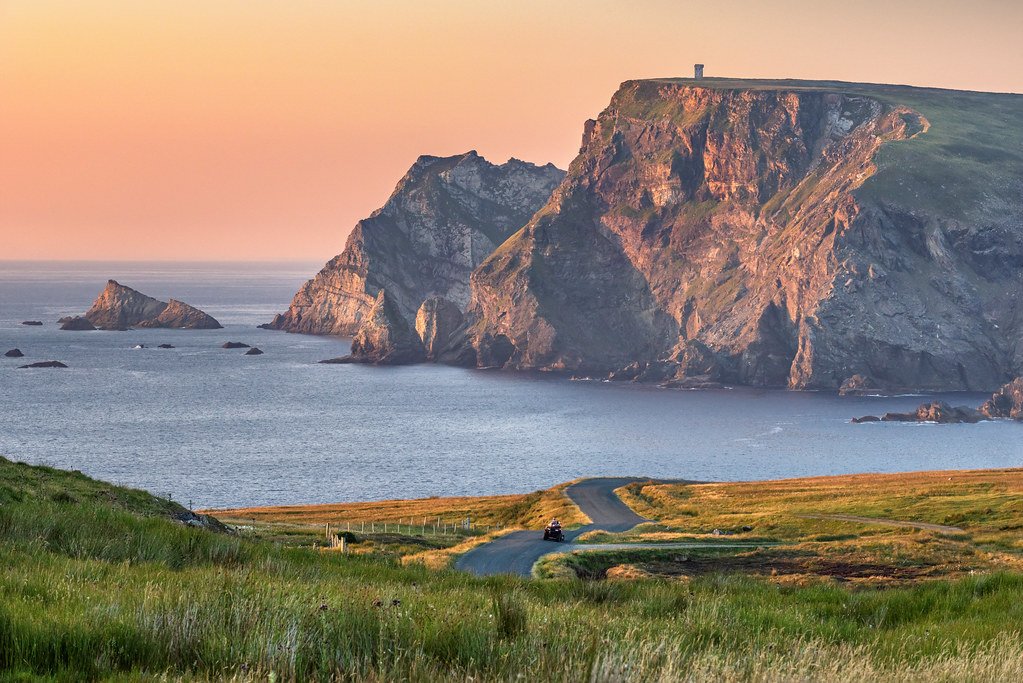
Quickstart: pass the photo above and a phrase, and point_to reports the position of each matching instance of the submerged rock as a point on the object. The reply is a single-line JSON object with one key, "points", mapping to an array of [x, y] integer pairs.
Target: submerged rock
{"points": [[254, 351], [14, 353], [32, 323], [44, 364], [165, 346], [234, 345]]}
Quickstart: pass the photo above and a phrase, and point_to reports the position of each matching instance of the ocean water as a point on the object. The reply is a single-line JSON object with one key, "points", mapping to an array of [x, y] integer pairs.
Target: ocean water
{"points": [[216, 428]]}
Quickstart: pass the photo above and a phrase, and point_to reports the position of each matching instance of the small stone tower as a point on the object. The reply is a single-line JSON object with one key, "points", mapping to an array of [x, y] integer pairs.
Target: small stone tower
{"points": [[698, 71]]}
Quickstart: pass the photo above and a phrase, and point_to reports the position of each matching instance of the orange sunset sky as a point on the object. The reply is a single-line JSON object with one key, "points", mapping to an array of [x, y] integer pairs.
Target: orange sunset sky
{"points": [[263, 130]]}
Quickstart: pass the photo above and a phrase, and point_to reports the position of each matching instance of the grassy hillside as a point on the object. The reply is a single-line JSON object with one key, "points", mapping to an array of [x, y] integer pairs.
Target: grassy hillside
{"points": [[109, 584]]}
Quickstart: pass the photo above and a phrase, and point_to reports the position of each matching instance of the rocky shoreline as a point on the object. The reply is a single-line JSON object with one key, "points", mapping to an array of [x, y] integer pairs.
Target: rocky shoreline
{"points": [[1004, 404]]}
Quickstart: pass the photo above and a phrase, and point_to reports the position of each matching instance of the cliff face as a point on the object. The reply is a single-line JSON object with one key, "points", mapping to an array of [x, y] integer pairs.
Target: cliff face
{"points": [[773, 234], [443, 218], [385, 338], [119, 307]]}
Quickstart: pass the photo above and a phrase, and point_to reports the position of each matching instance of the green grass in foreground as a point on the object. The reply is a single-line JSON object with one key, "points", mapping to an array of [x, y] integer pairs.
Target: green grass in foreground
{"points": [[90, 589]]}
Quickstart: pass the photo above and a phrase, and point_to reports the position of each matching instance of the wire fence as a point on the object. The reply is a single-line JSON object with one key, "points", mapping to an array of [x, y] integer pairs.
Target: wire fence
{"points": [[426, 526]]}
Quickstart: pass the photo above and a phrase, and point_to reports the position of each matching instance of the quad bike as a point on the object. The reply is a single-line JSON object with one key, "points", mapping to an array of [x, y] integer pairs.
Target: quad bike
{"points": [[553, 533]]}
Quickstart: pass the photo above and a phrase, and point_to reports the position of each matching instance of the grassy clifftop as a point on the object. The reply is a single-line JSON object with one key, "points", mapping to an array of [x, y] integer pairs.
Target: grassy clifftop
{"points": [[971, 154], [94, 588]]}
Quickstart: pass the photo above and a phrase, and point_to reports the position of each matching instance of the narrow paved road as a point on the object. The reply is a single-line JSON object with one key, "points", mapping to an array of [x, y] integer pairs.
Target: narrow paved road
{"points": [[517, 552]]}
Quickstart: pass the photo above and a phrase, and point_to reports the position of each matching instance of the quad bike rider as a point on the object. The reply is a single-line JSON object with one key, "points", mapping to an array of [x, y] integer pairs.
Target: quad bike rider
{"points": [[553, 531]]}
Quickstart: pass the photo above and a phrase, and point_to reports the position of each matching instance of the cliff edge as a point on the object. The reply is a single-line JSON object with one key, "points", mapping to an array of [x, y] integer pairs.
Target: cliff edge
{"points": [[773, 233]]}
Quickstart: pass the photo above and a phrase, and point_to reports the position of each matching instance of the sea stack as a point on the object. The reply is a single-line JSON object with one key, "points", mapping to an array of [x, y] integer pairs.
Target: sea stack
{"points": [[119, 307]]}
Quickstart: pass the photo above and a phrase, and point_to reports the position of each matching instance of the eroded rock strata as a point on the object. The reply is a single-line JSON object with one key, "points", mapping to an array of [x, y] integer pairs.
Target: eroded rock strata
{"points": [[444, 217], [781, 234]]}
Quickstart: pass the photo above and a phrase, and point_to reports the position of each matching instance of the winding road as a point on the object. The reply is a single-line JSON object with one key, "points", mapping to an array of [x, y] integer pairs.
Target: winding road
{"points": [[517, 552]]}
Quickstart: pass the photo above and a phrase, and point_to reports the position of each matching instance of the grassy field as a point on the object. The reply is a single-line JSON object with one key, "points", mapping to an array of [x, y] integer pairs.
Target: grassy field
{"points": [[835, 529], [102, 582]]}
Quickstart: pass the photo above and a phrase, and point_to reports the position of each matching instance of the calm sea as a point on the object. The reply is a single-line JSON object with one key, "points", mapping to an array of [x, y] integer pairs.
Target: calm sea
{"points": [[218, 428]]}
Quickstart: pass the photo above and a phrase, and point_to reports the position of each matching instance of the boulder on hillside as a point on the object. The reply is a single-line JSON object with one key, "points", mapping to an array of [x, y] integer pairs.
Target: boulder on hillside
{"points": [[1007, 402], [14, 353], [385, 338], [44, 364], [76, 323]]}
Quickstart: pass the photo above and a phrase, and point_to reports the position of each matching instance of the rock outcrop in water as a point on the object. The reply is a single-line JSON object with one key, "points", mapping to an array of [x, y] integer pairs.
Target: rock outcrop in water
{"points": [[119, 308], [14, 353], [77, 323], [444, 217], [44, 364], [781, 234], [1006, 403]]}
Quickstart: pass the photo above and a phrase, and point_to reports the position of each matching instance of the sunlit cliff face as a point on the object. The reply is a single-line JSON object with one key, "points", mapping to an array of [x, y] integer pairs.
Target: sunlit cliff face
{"points": [[237, 130]]}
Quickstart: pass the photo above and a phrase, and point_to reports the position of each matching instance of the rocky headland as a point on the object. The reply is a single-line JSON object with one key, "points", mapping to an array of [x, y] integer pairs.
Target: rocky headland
{"points": [[444, 217], [810, 235], [119, 308], [778, 234]]}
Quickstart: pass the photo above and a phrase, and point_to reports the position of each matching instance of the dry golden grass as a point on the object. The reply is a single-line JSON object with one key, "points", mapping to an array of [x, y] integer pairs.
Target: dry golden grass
{"points": [[530, 510], [836, 528], [987, 504]]}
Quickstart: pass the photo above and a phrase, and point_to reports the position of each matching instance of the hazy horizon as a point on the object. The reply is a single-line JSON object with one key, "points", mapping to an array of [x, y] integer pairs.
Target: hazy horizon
{"points": [[262, 132]]}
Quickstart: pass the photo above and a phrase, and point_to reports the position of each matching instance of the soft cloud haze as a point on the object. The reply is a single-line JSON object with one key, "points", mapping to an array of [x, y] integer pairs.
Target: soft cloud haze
{"points": [[263, 129]]}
